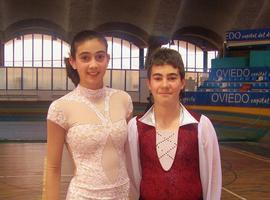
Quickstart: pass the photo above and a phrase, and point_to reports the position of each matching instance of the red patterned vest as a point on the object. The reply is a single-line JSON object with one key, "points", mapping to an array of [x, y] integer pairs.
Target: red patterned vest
{"points": [[182, 181]]}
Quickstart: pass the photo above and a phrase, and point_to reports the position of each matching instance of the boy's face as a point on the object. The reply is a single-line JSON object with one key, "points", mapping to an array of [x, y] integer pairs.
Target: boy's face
{"points": [[165, 84]]}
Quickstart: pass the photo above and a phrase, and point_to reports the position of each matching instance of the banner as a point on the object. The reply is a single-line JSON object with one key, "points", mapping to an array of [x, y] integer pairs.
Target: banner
{"points": [[242, 99], [248, 35], [240, 74]]}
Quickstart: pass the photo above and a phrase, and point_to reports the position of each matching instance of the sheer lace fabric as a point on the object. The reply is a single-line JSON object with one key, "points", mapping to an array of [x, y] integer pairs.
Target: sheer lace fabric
{"points": [[96, 127]]}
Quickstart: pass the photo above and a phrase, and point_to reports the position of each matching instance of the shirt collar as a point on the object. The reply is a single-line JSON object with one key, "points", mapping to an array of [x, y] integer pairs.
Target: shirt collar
{"points": [[184, 118]]}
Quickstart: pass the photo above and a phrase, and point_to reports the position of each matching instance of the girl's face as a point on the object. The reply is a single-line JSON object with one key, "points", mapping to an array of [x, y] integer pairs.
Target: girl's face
{"points": [[91, 61], [165, 84]]}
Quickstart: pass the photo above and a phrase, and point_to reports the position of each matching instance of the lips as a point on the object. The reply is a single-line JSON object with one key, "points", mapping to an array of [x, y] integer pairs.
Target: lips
{"points": [[93, 73], [164, 93]]}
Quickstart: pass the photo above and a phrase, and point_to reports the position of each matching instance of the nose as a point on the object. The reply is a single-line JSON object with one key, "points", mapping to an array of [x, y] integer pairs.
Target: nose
{"points": [[93, 64], [165, 83]]}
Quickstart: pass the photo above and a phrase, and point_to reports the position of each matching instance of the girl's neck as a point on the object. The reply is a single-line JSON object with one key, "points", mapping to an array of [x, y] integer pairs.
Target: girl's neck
{"points": [[92, 87], [92, 94]]}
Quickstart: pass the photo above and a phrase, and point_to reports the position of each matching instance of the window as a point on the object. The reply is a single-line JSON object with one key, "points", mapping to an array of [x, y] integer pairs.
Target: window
{"points": [[37, 46], [124, 54], [29, 60], [191, 59], [18, 52], [192, 55], [27, 51], [35, 50], [199, 60], [9, 53], [210, 55]]}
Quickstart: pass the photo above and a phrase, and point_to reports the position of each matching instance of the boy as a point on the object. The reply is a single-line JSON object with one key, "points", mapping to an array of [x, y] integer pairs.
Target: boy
{"points": [[174, 153]]}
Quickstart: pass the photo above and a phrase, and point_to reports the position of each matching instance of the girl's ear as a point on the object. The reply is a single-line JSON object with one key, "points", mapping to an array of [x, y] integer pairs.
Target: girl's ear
{"points": [[72, 63], [108, 59]]}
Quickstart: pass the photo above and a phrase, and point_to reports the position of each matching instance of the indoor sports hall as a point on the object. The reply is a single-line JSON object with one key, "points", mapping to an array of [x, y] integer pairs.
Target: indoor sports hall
{"points": [[225, 48]]}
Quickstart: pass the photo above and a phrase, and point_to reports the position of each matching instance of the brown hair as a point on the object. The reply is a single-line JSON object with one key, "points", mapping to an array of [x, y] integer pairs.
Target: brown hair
{"points": [[163, 56], [77, 40]]}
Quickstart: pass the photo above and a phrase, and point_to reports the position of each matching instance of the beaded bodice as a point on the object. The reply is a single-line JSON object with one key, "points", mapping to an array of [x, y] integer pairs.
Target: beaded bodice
{"points": [[96, 132]]}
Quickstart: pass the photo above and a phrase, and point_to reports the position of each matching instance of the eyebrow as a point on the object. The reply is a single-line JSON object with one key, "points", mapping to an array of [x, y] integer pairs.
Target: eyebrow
{"points": [[83, 53], [101, 51], [86, 52], [156, 75], [173, 74], [170, 74]]}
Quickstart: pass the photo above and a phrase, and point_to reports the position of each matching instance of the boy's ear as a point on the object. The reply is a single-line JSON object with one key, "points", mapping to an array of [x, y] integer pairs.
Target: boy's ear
{"points": [[183, 84], [148, 84]]}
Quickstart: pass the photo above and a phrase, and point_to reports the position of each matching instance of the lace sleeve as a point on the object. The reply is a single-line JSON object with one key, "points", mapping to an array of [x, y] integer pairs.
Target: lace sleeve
{"points": [[129, 107], [56, 115]]}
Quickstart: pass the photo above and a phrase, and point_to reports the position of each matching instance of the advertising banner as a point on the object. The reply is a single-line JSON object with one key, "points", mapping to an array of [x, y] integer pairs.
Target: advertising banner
{"points": [[242, 99], [240, 74], [248, 35]]}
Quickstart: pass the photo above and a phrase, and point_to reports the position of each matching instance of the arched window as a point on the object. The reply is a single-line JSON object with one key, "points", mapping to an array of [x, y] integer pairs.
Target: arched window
{"points": [[192, 55], [35, 50], [124, 54], [123, 67], [30, 58]]}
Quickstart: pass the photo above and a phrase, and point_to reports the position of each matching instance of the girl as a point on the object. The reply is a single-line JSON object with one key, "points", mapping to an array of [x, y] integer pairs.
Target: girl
{"points": [[91, 121]]}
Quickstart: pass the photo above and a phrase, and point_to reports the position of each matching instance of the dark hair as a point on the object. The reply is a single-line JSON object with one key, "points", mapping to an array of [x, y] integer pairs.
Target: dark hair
{"points": [[163, 56], [77, 40]]}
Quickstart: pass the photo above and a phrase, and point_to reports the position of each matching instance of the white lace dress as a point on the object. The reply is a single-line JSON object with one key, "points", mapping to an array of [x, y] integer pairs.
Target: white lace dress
{"points": [[96, 132]]}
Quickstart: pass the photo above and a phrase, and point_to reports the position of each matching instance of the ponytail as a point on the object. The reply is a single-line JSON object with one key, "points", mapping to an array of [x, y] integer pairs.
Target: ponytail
{"points": [[72, 73]]}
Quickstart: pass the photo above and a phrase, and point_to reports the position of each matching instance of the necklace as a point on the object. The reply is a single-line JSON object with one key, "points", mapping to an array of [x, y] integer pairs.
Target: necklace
{"points": [[92, 94]]}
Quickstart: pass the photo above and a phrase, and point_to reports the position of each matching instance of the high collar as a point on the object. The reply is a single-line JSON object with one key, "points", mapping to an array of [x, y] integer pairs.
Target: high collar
{"points": [[91, 94], [184, 118]]}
